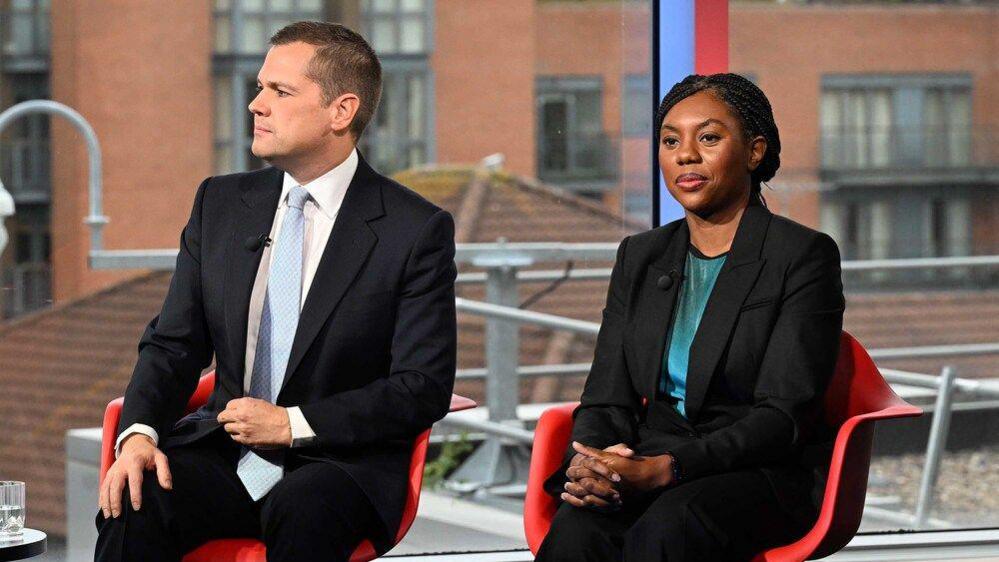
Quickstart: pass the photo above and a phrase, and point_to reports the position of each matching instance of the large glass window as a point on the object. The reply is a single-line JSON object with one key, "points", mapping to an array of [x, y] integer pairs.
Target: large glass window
{"points": [[895, 122], [857, 128], [24, 28], [399, 136], [573, 147], [24, 145]]}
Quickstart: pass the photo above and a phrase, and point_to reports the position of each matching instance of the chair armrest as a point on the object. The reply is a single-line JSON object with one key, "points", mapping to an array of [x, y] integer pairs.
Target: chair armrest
{"points": [[842, 505], [551, 438], [112, 414], [459, 403]]}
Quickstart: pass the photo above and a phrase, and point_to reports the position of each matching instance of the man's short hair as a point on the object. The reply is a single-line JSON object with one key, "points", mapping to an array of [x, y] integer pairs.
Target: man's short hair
{"points": [[344, 62]]}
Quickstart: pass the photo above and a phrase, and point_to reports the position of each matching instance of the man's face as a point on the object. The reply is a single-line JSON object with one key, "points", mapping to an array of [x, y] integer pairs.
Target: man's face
{"points": [[290, 121]]}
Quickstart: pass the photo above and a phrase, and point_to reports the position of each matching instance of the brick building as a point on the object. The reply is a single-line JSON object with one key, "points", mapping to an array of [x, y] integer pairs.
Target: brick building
{"points": [[888, 113]]}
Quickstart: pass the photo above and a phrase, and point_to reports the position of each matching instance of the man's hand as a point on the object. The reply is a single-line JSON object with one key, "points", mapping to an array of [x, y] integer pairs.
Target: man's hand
{"points": [[636, 473], [592, 483], [256, 423], [138, 453]]}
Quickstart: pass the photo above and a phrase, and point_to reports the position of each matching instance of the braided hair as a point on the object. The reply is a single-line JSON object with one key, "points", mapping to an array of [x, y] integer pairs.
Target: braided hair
{"points": [[749, 104]]}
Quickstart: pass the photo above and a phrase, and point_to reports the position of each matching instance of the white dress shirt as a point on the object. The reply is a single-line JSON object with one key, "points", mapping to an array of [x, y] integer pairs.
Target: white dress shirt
{"points": [[326, 196]]}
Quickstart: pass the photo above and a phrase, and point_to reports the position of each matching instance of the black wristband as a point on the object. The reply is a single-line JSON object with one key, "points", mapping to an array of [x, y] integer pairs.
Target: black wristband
{"points": [[677, 473]]}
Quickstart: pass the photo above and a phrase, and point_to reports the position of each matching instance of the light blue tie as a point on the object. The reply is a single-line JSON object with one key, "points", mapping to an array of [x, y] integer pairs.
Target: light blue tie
{"points": [[261, 470]]}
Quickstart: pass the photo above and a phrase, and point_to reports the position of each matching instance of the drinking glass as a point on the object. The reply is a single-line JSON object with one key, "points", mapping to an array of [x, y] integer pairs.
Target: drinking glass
{"points": [[11, 509]]}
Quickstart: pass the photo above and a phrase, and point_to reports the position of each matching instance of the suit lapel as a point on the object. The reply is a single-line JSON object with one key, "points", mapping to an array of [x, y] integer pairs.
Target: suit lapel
{"points": [[737, 277], [259, 194], [347, 249], [655, 308]]}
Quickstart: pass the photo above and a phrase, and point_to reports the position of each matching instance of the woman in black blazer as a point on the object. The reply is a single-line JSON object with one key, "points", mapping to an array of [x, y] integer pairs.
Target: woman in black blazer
{"points": [[699, 433]]}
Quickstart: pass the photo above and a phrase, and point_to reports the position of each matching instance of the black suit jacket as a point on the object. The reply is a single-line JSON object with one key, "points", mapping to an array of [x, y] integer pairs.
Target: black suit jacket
{"points": [[373, 360], [760, 362]]}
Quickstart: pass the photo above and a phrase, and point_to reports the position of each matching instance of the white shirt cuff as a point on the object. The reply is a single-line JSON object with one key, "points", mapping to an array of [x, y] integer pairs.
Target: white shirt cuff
{"points": [[301, 431], [136, 428]]}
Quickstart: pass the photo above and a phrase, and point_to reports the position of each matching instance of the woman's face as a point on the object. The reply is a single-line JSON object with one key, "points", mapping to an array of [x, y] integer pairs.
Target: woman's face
{"points": [[705, 157]]}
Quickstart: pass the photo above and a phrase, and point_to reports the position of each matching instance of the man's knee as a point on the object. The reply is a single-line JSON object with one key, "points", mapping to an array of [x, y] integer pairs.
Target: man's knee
{"points": [[313, 497], [151, 503], [315, 512]]}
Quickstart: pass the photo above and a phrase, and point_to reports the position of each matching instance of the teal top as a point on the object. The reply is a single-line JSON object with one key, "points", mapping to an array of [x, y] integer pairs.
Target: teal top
{"points": [[699, 276]]}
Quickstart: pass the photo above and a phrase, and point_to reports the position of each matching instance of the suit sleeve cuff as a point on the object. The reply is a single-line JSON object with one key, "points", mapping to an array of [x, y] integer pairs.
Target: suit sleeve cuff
{"points": [[136, 428], [301, 432]]}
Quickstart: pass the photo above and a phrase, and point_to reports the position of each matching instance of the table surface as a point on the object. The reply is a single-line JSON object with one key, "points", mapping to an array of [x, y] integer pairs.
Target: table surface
{"points": [[31, 543]]}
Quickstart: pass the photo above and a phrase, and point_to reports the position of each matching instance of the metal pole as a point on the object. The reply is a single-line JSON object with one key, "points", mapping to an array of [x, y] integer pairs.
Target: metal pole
{"points": [[95, 219], [502, 346], [935, 446]]}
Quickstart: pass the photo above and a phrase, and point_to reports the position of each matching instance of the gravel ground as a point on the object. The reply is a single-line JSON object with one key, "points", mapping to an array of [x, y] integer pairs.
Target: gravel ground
{"points": [[967, 491]]}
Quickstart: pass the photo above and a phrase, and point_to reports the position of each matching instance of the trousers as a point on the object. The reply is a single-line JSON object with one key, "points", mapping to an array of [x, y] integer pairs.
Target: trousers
{"points": [[316, 511], [725, 517]]}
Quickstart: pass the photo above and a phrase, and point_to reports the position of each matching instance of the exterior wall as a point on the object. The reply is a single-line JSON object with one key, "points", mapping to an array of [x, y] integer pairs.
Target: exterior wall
{"points": [[789, 48], [146, 88], [483, 73], [144, 84]]}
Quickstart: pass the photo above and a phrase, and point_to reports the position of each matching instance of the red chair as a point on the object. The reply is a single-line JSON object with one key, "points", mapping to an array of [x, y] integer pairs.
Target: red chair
{"points": [[249, 550], [857, 397]]}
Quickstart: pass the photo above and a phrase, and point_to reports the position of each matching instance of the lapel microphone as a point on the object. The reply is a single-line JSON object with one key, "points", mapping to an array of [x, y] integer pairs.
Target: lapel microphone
{"points": [[253, 243], [666, 281]]}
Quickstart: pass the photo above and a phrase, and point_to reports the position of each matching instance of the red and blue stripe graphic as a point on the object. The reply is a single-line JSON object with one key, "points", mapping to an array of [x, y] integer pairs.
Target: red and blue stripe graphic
{"points": [[689, 37]]}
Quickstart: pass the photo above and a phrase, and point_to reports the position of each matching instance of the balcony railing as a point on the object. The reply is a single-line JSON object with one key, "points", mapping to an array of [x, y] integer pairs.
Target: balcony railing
{"points": [[906, 148], [582, 159], [25, 166]]}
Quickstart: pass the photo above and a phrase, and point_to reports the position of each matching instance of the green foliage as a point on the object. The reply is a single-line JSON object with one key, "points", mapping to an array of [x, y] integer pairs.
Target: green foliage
{"points": [[451, 455]]}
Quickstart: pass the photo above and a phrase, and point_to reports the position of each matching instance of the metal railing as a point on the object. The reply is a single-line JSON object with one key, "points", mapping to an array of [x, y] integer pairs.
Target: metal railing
{"points": [[945, 386], [900, 148]]}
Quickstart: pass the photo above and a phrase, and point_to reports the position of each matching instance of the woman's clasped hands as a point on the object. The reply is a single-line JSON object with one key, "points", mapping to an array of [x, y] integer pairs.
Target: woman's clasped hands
{"points": [[597, 478]]}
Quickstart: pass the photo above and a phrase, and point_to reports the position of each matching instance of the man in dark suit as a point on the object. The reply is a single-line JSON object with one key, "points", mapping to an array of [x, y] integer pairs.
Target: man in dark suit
{"points": [[325, 292]]}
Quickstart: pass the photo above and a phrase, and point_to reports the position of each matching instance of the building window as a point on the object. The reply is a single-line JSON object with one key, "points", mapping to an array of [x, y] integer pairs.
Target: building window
{"points": [[245, 26], [637, 105], [24, 28], [25, 163], [947, 230], [946, 123], [856, 128], [573, 148], [914, 222], [397, 138], [861, 227], [397, 26], [27, 275], [889, 121], [399, 135]]}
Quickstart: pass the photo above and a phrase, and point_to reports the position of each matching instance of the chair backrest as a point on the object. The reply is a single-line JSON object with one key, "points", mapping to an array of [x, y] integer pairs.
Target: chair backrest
{"points": [[857, 397], [857, 386], [204, 389]]}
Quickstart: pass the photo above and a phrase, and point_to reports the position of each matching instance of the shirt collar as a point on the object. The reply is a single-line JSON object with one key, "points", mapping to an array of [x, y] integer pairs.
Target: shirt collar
{"points": [[329, 189]]}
